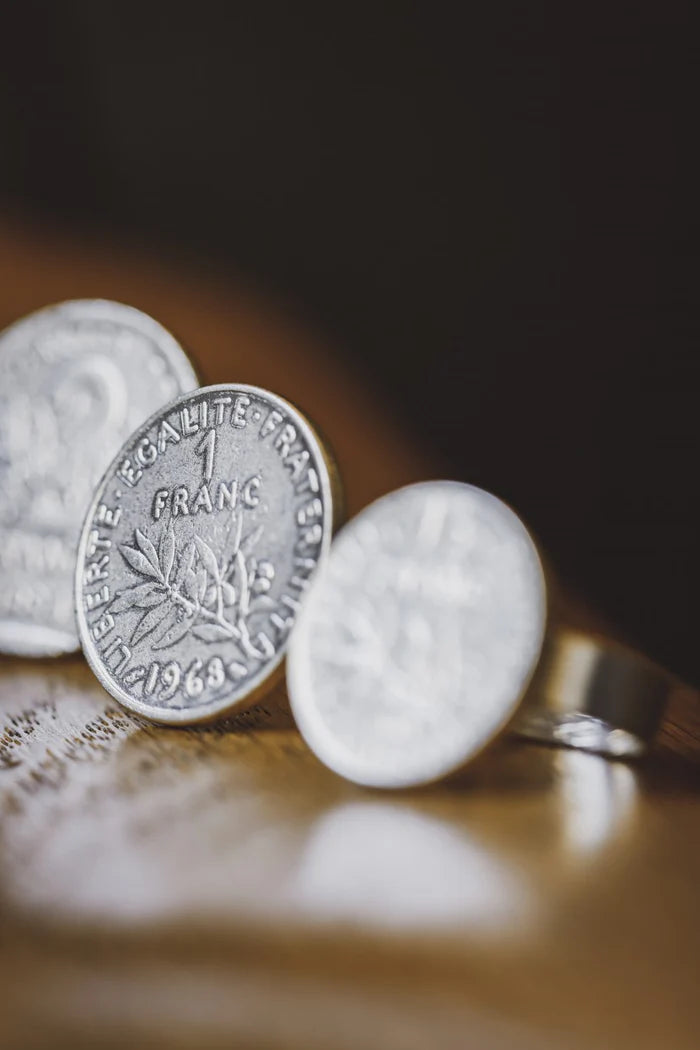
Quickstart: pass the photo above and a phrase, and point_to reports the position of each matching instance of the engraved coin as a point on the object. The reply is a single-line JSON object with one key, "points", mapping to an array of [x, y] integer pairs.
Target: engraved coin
{"points": [[419, 635], [196, 552], [75, 379]]}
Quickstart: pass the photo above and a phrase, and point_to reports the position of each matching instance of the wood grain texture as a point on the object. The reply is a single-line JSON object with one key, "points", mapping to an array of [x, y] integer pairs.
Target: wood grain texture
{"points": [[218, 887]]}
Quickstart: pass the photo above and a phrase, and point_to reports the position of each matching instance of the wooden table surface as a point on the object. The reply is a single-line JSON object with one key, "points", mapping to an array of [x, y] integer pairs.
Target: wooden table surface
{"points": [[218, 887]]}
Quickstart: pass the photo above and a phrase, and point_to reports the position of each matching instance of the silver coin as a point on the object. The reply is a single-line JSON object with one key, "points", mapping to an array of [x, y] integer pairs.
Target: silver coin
{"points": [[419, 635], [197, 550], [75, 379]]}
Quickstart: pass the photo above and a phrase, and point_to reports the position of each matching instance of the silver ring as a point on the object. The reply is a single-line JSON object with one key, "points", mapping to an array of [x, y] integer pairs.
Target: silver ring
{"points": [[595, 694]]}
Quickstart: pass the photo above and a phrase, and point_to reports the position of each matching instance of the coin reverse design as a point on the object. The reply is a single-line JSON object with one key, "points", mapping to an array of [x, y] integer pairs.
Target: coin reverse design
{"points": [[197, 550], [75, 380], [419, 635]]}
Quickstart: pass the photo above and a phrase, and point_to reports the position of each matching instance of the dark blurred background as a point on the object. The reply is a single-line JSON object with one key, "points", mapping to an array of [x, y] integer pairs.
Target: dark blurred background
{"points": [[481, 205]]}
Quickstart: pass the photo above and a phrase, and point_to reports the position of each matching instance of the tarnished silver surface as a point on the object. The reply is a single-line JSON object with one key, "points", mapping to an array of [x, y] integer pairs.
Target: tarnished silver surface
{"points": [[419, 635], [75, 379], [197, 550]]}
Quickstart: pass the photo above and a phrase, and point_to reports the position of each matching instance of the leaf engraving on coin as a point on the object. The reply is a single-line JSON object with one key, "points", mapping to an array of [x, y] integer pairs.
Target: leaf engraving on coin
{"points": [[197, 551], [75, 379], [211, 597]]}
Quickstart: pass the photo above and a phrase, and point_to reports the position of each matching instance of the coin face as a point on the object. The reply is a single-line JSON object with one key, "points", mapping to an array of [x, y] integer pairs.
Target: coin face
{"points": [[75, 379], [197, 550], [419, 635]]}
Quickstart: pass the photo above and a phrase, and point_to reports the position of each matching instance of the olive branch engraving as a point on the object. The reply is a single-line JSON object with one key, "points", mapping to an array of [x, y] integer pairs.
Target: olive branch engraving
{"points": [[194, 591]]}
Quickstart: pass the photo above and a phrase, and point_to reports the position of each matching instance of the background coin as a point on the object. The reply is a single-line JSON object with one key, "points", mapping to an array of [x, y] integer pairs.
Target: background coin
{"points": [[197, 550], [419, 636], [75, 379]]}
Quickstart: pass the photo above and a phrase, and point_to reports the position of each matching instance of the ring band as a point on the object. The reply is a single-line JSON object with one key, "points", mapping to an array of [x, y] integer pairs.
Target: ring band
{"points": [[594, 694]]}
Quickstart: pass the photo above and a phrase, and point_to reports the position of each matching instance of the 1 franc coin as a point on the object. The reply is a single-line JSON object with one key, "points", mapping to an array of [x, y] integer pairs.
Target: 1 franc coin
{"points": [[197, 551], [419, 636]]}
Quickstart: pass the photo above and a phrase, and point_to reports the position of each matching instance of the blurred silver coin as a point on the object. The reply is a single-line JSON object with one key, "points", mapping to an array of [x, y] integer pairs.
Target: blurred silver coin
{"points": [[197, 550], [75, 379], [419, 635]]}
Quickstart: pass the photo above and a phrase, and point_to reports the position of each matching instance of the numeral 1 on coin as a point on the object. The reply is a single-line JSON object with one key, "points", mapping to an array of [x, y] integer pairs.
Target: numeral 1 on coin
{"points": [[206, 448], [152, 679]]}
